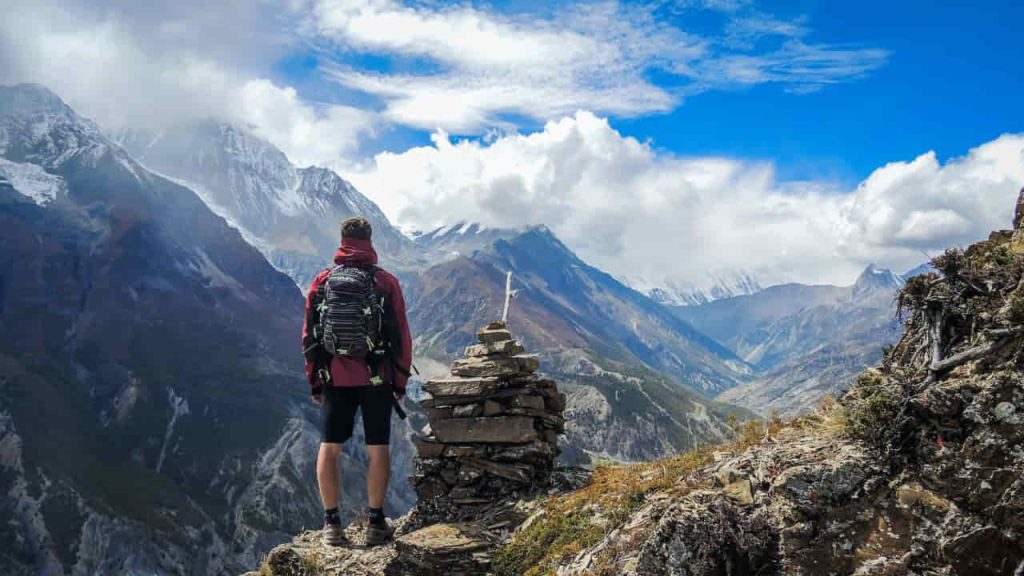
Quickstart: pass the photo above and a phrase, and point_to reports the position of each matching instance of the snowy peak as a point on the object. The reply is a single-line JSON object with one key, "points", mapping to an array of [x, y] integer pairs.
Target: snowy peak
{"points": [[37, 127], [291, 214], [873, 279], [464, 238], [715, 286], [322, 191]]}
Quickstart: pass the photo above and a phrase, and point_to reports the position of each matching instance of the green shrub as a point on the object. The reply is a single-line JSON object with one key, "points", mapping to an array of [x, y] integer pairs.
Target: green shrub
{"points": [[871, 410]]}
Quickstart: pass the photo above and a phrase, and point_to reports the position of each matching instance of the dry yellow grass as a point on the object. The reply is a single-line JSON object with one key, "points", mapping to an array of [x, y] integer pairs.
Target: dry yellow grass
{"points": [[578, 520]]}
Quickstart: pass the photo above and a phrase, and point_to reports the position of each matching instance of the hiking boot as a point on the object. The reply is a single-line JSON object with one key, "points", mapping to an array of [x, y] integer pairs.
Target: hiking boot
{"points": [[380, 534], [333, 535]]}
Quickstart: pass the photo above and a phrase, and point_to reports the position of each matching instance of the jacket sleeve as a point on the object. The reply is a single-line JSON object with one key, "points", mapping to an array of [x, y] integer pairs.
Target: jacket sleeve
{"points": [[403, 361], [310, 348]]}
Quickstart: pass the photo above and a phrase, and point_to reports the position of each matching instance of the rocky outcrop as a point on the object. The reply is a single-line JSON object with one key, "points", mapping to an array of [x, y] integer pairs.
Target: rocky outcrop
{"points": [[917, 470], [493, 427], [484, 462]]}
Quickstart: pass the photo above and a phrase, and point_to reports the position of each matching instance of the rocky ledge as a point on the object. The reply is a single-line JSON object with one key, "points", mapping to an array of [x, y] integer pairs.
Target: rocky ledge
{"points": [[485, 461], [918, 469]]}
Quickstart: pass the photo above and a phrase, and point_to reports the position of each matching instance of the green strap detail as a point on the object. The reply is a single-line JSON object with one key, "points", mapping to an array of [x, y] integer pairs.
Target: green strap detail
{"points": [[376, 381]]}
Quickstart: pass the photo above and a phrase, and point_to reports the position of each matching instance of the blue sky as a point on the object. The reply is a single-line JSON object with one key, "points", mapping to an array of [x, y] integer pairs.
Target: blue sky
{"points": [[946, 84], [666, 141], [951, 82]]}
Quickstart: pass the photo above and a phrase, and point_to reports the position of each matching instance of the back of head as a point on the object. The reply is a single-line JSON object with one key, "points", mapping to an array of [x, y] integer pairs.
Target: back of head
{"points": [[357, 228]]}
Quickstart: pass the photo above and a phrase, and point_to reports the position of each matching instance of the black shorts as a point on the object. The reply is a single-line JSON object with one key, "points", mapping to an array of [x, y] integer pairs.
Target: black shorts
{"points": [[338, 413]]}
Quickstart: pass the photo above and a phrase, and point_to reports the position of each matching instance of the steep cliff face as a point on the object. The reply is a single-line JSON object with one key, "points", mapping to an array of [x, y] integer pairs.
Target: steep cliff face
{"points": [[917, 469]]}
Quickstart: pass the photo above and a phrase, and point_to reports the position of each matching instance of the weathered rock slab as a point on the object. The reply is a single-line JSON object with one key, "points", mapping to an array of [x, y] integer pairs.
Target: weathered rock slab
{"points": [[496, 429], [478, 386]]}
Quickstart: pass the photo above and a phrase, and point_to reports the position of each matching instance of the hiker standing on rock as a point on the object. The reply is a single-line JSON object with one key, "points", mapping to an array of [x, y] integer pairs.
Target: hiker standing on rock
{"points": [[358, 352]]}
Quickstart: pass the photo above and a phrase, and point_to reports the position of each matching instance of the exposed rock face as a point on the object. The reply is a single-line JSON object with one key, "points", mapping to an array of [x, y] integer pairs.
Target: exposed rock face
{"points": [[493, 430]]}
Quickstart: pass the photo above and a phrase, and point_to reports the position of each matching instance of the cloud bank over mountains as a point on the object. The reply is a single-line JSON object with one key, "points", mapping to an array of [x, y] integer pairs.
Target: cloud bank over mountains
{"points": [[533, 90], [639, 212]]}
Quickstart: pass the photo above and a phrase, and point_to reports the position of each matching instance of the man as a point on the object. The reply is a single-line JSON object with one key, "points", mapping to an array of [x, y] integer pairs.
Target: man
{"points": [[358, 353]]}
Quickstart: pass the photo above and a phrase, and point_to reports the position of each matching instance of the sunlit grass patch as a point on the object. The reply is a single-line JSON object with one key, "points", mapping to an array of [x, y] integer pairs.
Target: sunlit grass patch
{"points": [[578, 520]]}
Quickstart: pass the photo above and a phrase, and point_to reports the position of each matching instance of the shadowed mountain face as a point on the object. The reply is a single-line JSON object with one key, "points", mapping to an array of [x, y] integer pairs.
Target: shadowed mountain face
{"points": [[291, 214], [606, 342], [152, 418]]}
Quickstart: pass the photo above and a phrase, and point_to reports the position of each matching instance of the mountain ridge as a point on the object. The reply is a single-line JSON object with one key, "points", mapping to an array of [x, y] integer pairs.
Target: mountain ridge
{"points": [[152, 414], [291, 213]]}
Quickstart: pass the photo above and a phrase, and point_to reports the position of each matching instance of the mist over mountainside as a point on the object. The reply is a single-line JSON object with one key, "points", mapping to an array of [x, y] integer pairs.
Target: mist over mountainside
{"points": [[805, 341], [152, 414], [291, 214]]}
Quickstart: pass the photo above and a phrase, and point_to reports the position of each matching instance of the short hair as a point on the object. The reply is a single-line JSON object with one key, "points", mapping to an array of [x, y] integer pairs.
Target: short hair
{"points": [[357, 227]]}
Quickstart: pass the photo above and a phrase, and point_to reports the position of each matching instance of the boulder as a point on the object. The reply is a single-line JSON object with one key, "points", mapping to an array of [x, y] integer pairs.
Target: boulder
{"points": [[442, 550]]}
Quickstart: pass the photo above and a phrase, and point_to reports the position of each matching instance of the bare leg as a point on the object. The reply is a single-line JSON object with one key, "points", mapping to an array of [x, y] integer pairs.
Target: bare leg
{"points": [[377, 478], [328, 474]]}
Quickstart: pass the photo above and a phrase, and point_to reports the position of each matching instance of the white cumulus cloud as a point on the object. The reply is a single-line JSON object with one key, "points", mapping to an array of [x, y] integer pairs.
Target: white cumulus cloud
{"points": [[638, 212], [129, 66]]}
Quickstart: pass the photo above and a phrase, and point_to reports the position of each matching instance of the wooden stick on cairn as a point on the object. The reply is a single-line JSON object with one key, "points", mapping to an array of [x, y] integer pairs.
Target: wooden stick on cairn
{"points": [[509, 293]]}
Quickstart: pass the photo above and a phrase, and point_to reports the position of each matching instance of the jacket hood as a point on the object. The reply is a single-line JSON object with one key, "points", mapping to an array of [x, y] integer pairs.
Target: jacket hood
{"points": [[355, 252]]}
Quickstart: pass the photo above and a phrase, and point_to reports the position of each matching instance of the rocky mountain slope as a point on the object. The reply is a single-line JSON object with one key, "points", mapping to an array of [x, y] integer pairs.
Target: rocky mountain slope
{"points": [[151, 417], [918, 469], [805, 342], [291, 214], [629, 366]]}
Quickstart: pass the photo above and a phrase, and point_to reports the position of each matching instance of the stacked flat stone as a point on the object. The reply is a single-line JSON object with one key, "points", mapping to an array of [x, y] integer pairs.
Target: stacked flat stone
{"points": [[493, 429]]}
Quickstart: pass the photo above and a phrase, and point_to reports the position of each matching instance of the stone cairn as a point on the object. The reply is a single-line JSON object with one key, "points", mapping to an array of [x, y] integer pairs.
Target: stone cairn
{"points": [[493, 430]]}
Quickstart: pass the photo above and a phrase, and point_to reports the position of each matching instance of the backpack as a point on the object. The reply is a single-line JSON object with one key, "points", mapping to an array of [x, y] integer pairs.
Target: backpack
{"points": [[351, 314]]}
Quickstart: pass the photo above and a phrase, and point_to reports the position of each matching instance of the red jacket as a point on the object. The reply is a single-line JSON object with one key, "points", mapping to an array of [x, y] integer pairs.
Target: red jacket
{"points": [[354, 371]]}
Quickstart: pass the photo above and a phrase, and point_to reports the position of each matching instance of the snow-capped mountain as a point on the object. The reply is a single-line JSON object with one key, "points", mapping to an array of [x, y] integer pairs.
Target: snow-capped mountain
{"points": [[153, 417], [463, 238], [610, 346], [873, 279], [291, 214], [714, 286]]}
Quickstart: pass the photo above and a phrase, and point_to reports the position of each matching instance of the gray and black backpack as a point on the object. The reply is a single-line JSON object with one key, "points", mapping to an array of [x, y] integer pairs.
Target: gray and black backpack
{"points": [[351, 313]]}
